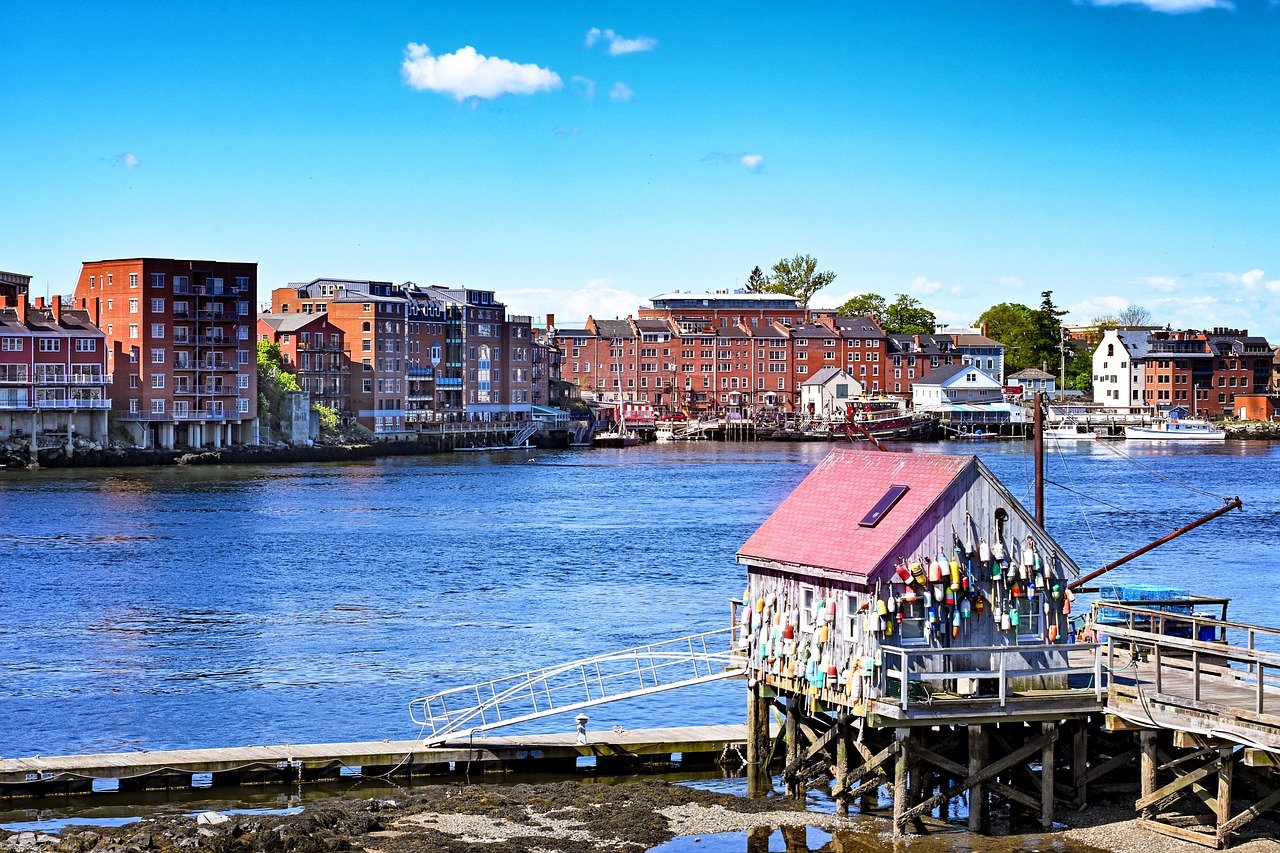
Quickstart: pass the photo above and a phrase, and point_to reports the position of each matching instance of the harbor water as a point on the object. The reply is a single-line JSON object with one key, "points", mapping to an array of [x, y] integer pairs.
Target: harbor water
{"points": [[187, 607]]}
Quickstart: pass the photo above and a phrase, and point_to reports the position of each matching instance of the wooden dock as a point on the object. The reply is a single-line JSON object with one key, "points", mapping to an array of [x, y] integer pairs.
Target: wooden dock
{"points": [[558, 753]]}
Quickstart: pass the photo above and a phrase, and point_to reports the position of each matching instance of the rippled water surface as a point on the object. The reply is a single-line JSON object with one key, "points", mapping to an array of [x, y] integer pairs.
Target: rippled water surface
{"points": [[235, 605]]}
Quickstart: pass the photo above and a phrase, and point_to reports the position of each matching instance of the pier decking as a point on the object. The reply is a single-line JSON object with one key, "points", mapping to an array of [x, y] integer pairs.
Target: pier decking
{"points": [[700, 745]]}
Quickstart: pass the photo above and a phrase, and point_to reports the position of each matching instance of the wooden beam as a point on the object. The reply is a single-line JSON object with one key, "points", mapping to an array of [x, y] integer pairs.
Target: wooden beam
{"points": [[1112, 723], [1046, 776], [1124, 759], [1147, 768], [902, 739], [1149, 800], [1080, 765], [1168, 763], [978, 746], [1260, 758], [1223, 810], [873, 764], [1191, 740], [1231, 826], [841, 774], [1178, 832], [987, 773]]}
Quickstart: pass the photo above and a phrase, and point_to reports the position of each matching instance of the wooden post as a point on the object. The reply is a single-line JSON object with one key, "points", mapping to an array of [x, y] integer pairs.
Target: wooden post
{"points": [[978, 743], [903, 737], [1080, 764], [759, 780], [1046, 779], [1038, 420], [1224, 796], [842, 767], [1147, 767], [794, 789]]}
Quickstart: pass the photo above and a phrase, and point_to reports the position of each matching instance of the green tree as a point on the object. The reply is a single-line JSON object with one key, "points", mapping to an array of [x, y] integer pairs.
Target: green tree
{"points": [[906, 316], [1013, 325], [757, 282], [330, 423], [1048, 339], [799, 277], [864, 305], [274, 381]]}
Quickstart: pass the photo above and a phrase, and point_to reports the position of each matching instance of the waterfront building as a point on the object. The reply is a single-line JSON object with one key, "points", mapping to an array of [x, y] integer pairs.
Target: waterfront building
{"points": [[1032, 380], [14, 287], [180, 347], [421, 355], [1119, 376], [693, 312], [975, 347], [53, 370], [825, 394], [914, 357], [863, 349], [312, 348], [955, 384]]}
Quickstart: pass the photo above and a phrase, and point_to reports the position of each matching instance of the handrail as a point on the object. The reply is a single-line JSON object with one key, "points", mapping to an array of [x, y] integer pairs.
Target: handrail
{"points": [[1139, 608], [558, 689]]}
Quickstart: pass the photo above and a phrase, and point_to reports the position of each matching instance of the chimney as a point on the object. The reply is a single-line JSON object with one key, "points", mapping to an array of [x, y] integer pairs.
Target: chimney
{"points": [[985, 333], [56, 305], [21, 305], [93, 307], [917, 342], [551, 321], [40, 302]]}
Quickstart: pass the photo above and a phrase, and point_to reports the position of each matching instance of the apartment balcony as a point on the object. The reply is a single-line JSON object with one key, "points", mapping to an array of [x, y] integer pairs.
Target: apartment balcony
{"points": [[70, 403], [449, 381], [15, 404], [423, 398], [215, 341], [421, 372], [23, 378], [217, 391], [90, 379]]}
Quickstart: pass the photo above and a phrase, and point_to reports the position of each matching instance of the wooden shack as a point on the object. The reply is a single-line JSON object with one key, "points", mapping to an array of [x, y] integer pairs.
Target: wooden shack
{"points": [[894, 592]]}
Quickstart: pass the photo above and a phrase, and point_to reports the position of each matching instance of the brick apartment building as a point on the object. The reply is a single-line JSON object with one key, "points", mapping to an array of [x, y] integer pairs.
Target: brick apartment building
{"points": [[312, 348], [739, 354], [1205, 370], [422, 355], [53, 369], [180, 347]]}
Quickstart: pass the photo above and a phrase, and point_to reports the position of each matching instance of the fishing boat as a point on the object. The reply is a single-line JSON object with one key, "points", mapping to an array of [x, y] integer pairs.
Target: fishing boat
{"points": [[1184, 429]]}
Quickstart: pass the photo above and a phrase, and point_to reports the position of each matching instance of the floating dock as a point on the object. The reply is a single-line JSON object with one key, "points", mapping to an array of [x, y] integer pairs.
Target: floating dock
{"points": [[292, 763]]}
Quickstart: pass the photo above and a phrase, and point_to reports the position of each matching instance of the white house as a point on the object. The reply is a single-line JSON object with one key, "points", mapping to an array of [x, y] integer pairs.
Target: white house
{"points": [[955, 383], [1118, 368], [825, 393], [977, 349]]}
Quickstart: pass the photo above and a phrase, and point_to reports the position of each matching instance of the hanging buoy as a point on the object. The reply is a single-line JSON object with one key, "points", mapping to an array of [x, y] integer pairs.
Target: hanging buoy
{"points": [[789, 632], [969, 550], [995, 570], [831, 610], [1005, 622], [903, 573], [822, 634], [935, 571], [1028, 553], [868, 667], [1013, 617], [955, 574], [909, 594], [888, 629], [1044, 608], [746, 598], [951, 598], [955, 624], [1056, 591], [1016, 592], [984, 552], [1053, 633], [892, 603], [770, 600], [937, 592], [1066, 606], [997, 550], [1039, 565], [933, 614], [901, 617], [965, 608], [917, 571], [759, 605], [881, 607], [980, 605], [964, 581], [928, 596]]}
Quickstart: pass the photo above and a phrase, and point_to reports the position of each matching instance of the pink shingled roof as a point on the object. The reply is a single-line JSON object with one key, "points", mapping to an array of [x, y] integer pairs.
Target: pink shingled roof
{"points": [[817, 524]]}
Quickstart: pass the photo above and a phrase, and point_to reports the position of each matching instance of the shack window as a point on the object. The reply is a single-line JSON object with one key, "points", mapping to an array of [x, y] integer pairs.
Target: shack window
{"points": [[1028, 616], [851, 615], [913, 616], [806, 607]]}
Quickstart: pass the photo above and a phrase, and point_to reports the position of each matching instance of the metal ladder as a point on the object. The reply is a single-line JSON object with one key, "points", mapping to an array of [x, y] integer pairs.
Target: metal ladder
{"points": [[625, 674]]}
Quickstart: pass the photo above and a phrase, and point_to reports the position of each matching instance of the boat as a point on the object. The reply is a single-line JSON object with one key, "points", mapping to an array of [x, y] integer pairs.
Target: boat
{"points": [[1184, 429], [1069, 431], [616, 437], [665, 430]]}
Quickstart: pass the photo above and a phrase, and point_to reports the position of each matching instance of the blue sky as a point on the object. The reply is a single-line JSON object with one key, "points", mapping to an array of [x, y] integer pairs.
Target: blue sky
{"points": [[583, 157]]}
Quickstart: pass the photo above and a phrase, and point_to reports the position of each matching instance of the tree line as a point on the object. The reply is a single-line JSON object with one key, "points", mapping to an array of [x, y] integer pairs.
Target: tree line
{"points": [[1032, 337]]}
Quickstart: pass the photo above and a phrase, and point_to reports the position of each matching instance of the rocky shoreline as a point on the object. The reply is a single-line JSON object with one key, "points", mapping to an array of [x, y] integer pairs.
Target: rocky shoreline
{"points": [[568, 817]]}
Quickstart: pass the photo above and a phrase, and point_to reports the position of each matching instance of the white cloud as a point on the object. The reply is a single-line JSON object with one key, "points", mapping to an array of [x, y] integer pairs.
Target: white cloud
{"points": [[128, 159], [582, 87], [753, 162], [1009, 281], [1172, 7], [597, 297], [1097, 306], [1161, 282], [1249, 280], [924, 286], [621, 92], [618, 45], [468, 74]]}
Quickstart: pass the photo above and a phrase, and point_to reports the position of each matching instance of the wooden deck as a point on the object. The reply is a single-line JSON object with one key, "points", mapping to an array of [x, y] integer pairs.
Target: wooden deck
{"points": [[306, 762]]}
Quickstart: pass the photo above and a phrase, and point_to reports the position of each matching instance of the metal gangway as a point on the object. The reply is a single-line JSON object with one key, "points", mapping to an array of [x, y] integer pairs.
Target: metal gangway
{"points": [[612, 677], [523, 436]]}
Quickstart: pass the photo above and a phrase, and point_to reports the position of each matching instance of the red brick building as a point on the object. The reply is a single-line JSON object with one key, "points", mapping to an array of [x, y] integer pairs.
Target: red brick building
{"points": [[53, 372], [1203, 371], [312, 348], [180, 337]]}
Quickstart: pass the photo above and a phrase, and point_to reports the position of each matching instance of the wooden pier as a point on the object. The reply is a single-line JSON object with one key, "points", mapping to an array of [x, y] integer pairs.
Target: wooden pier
{"points": [[299, 763]]}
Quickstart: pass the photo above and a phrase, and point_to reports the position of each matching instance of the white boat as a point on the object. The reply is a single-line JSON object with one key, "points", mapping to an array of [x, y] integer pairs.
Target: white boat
{"points": [[1069, 431], [665, 431], [617, 438], [1186, 429]]}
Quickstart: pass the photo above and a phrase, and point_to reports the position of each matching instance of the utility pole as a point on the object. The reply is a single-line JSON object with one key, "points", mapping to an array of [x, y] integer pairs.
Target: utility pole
{"points": [[1062, 361], [1038, 425]]}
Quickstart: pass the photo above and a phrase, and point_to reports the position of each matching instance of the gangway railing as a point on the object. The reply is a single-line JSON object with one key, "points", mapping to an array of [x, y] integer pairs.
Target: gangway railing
{"points": [[525, 434], [612, 677]]}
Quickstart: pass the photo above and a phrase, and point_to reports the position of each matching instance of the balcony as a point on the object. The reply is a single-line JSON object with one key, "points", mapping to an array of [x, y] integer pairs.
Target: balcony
{"points": [[213, 341], [217, 391], [421, 372], [449, 381], [15, 404], [70, 403], [425, 398], [15, 377], [89, 379]]}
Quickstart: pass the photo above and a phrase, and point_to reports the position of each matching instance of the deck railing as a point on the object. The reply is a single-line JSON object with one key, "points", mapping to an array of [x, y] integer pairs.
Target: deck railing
{"points": [[1183, 667], [1004, 664]]}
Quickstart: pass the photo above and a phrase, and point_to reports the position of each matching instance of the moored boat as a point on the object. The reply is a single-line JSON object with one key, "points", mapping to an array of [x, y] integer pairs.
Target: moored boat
{"points": [[1185, 429]]}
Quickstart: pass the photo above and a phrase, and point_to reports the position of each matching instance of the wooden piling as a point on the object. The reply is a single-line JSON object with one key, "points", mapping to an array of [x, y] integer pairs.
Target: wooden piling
{"points": [[1046, 777], [1147, 768], [978, 746], [902, 738], [759, 779]]}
